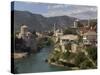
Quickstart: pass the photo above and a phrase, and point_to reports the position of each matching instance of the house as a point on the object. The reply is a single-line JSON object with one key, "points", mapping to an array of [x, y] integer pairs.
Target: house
{"points": [[69, 37], [66, 42], [69, 41], [90, 38], [57, 34]]}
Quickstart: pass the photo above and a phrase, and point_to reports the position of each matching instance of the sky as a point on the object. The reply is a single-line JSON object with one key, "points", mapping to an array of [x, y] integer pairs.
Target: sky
{"points": [[51, 10]]}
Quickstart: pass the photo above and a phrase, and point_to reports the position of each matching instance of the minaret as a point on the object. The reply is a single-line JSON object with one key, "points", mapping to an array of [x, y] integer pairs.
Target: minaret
{"points": [[88, 22], [75, 23], [54, 28], [61, 31]]}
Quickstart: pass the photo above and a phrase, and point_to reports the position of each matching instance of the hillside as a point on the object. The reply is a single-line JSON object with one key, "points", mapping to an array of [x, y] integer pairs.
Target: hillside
{"points": [[38, 22]]}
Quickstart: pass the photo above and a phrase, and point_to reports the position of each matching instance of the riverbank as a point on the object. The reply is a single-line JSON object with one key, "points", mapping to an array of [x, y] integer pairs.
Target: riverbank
{"points": [[60, 65], [19, 55], [55, 64]]}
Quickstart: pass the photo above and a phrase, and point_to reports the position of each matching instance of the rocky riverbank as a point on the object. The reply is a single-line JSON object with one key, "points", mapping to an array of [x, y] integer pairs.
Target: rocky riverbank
{"points": [[19, 55], [61, 65]]}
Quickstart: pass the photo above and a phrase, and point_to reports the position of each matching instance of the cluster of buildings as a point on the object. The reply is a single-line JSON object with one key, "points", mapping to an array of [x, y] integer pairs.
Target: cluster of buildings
{"points": [[88, 38], [28, 39], [67, 42]]}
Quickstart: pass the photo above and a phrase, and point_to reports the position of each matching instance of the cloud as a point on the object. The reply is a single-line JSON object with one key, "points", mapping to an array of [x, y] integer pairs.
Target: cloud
{"points": [[72, 10], [56, 6], [49, 10], [86, 15], [85, 12]]}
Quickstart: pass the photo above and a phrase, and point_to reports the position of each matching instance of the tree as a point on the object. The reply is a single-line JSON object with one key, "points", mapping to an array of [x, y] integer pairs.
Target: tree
{"points": [[86, 64], [79, 24], [79, 58], [70, 31], [92, 52]]}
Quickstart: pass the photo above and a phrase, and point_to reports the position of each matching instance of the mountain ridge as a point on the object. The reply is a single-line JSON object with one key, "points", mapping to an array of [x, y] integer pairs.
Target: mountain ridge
{"points": [[37, 22]]}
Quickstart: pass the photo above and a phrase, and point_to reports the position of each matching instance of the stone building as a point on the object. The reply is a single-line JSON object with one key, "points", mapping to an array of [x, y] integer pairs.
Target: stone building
{"points": [[28, 38], [57, 33], [75, 23], [90, 38], [69, 40]]}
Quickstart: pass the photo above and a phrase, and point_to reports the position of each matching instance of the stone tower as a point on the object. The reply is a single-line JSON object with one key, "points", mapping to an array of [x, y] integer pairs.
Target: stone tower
{"points": [[75, 23]]}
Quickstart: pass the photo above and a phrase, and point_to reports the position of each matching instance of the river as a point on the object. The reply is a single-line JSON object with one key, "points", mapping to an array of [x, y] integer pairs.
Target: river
{"points": [[36, 63]]}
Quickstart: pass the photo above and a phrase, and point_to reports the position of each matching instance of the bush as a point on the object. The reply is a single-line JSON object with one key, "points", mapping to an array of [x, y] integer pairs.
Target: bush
{"points": [[86, 64], [79, 58], [65, 55], [92, 52], [70, 31], [49, 42]]}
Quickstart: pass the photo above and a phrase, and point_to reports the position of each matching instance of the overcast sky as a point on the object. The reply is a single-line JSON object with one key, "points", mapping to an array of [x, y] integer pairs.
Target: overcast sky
{"points": [[50, 10]]}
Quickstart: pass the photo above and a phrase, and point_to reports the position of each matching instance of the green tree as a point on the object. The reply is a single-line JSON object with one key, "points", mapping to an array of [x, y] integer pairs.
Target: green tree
{"points": [[79, 58], [86, 64], [70, 31], [92, 53]]}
